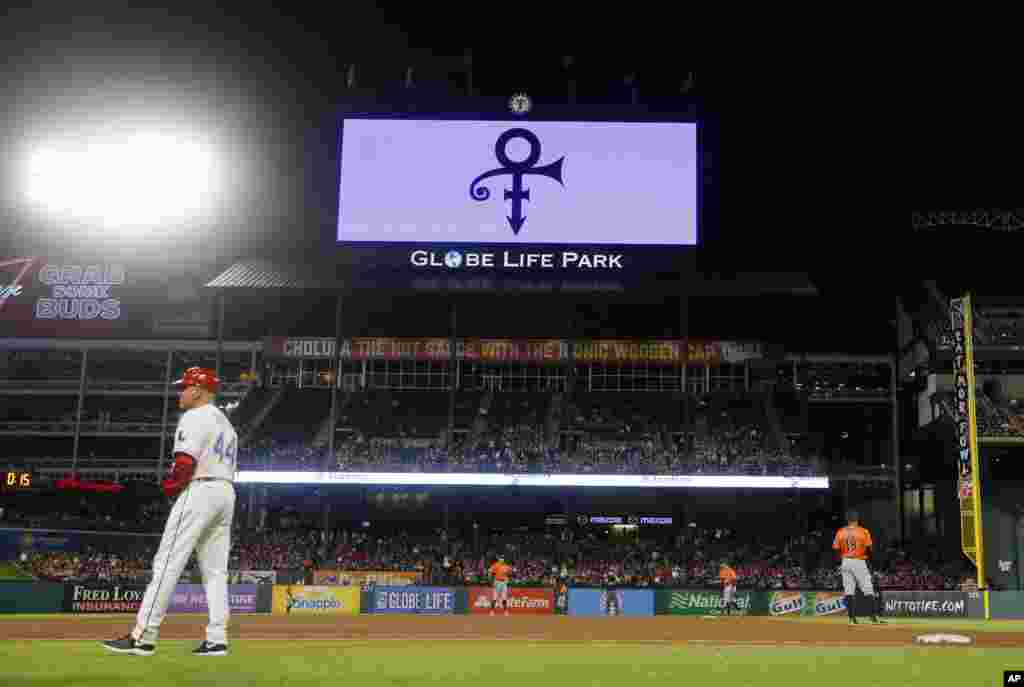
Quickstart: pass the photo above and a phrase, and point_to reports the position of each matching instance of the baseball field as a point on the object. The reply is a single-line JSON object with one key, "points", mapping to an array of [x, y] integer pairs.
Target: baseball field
{"points": [[539, 651]]}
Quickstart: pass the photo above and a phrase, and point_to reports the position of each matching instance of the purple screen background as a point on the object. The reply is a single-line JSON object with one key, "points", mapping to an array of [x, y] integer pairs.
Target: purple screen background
{"points": [[625, 183]]}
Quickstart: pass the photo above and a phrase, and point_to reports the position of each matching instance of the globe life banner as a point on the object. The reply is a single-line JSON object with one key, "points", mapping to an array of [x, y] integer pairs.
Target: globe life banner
{"points": [[413, 599]]}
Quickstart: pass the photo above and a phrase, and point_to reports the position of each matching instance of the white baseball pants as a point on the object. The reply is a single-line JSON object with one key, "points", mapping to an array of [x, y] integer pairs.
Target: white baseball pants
{"points": [[200, 521]]}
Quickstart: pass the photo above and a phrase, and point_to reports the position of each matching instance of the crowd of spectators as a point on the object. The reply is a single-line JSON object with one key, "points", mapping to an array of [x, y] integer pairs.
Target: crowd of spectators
{"points": [[691, 559], [997, 416], [539, 433], [150, 516], [123, 567], [522, 449]]}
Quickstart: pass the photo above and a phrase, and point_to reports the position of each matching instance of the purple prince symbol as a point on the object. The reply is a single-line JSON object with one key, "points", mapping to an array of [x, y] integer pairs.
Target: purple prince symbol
{"points": [[517, 194]]}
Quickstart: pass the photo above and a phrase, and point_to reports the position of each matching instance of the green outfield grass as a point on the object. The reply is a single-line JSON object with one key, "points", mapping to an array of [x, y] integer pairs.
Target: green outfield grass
{"points": [[9, 571], [933, 625], [497, 664]]}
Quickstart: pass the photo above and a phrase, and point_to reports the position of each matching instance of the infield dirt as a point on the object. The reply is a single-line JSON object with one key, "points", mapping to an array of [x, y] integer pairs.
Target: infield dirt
{"points": [[668, 629]]}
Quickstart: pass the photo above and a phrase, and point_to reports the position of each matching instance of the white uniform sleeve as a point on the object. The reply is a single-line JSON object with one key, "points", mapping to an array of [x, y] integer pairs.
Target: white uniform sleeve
{"points": [[188, 438]]}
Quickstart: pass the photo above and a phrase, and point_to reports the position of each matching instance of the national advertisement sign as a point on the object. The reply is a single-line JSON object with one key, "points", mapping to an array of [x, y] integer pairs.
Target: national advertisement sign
{"points": [[100, 597], [315, 600], [611, 602], [191, 598], [706, 602], [413, 599], [522, 601]]}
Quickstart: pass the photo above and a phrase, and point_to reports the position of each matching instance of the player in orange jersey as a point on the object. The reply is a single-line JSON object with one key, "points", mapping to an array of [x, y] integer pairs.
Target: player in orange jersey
{"points": [[853, 544], [728, 578], [500, 572]]}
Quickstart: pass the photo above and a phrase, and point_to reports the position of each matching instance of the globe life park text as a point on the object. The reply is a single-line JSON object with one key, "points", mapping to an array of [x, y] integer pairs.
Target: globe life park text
{"points": [[569, 260]]}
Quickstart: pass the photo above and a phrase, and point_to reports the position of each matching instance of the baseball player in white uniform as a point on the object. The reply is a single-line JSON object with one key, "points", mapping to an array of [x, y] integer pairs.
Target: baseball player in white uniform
{"points": [[202, 482]]}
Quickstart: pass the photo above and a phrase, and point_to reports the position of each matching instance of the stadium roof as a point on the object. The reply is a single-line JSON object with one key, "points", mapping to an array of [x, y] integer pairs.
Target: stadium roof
{"points": [[267, 274], [318, 274]]}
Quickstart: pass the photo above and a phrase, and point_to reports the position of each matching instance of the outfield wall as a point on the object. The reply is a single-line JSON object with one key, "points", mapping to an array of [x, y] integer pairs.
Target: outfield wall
{"points": [[99, 597]]}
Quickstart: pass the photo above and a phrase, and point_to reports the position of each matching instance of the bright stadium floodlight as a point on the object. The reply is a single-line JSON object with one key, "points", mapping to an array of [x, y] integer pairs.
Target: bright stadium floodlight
{"points": [[139, 180]]}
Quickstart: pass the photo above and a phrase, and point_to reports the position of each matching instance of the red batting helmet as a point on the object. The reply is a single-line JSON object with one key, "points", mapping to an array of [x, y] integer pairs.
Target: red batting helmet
{"points": [[202, 377]]}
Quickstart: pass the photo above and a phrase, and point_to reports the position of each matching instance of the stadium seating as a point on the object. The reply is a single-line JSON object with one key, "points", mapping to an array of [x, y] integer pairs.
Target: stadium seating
{"points": [[994, 419], [802, 561], [515, 432]]}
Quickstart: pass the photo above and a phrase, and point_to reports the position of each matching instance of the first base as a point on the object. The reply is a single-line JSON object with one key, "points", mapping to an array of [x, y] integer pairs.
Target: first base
{"points": [[943, 639]]}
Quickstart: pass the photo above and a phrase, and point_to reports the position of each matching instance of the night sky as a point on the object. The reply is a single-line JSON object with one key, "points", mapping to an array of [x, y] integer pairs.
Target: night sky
{"points": [[816, 172]]}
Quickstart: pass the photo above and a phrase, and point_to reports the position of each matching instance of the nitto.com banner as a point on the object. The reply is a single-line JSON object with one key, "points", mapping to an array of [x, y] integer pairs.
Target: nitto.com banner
{"points": [[925, 604]]}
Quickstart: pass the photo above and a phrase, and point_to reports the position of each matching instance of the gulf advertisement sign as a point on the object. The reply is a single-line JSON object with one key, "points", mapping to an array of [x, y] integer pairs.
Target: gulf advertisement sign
{"points": [[829, 603], [521, 601]]}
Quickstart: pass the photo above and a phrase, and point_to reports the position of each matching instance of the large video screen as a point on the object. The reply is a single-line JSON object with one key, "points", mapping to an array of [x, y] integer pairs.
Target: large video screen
{"points": [[518, 183]]}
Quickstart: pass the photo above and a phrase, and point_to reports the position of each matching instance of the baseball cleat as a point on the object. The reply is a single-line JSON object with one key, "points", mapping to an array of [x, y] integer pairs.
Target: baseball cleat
{"points": [[130, 646], [209, 649]]}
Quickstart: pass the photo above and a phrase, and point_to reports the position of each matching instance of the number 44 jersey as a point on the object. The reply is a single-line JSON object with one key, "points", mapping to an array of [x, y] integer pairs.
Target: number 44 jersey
{"points": [[206, 434]]}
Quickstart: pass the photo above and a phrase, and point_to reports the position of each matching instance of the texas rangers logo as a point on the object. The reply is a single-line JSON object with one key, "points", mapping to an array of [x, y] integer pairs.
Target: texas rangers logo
{"points": [[517, 194], [15, 288]]}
